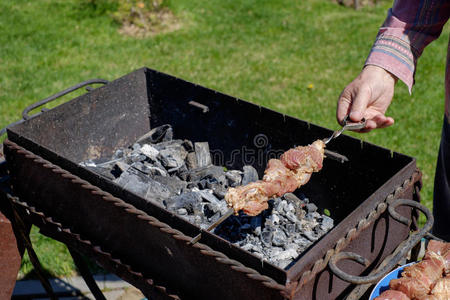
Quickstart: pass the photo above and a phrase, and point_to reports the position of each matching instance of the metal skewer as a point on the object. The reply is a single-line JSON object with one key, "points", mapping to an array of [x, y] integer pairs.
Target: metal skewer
{"points": [[214, 225], [347, 126]]}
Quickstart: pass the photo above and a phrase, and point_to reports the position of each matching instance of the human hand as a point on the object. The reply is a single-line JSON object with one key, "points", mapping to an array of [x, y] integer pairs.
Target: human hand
{"points": [[368, 96]]}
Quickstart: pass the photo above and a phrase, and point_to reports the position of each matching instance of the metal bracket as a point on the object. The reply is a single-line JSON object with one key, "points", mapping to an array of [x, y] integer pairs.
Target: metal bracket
{"points": [[398, 254]]}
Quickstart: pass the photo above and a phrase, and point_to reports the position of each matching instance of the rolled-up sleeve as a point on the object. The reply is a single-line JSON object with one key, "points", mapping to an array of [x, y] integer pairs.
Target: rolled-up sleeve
{"points": [[409, 27]]}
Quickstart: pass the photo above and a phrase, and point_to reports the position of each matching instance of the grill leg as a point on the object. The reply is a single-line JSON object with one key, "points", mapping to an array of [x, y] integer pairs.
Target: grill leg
{"points": [[86, 274]]}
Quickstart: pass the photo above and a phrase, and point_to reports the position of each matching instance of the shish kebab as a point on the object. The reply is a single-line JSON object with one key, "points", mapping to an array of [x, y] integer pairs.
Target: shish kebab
{"points": [[284, 175]]}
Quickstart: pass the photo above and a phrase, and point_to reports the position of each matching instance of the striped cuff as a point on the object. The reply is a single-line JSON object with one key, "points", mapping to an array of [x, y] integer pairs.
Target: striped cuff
{"points": [[394, 55]]}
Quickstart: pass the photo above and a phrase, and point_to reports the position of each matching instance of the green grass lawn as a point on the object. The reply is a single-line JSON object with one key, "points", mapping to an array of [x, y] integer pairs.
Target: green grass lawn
{"points": [[264, 51]]}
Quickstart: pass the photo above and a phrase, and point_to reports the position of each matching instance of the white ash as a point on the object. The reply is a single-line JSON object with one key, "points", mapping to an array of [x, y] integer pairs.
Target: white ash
{"points": [[179, 175]]}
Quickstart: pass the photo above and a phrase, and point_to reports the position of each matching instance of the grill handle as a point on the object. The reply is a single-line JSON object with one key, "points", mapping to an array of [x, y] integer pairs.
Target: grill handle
{"points": [[26, 116], [391, 261]]}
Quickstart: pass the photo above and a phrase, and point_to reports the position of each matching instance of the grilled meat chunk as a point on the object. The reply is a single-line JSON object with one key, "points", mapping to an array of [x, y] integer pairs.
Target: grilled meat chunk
{"points": [[292, 170], [441, 289], [392, 295]]}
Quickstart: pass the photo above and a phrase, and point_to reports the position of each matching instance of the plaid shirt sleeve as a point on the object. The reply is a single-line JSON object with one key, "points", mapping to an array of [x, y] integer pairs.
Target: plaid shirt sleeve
{"points": [[409, 27]]}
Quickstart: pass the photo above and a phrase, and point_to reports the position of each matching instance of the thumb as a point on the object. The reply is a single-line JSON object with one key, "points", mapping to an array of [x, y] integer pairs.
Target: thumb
{"points": [[359, 104]]}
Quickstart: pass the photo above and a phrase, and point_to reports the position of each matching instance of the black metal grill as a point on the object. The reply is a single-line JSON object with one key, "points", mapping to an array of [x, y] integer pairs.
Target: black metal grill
{"points": [[44, 153]]}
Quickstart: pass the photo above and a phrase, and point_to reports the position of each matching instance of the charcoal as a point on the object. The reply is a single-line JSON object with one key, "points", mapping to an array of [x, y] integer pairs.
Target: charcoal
{"points": [[209, 209], [141, 167], [300, 213], [121, 166], [134, 181], [189, 201], [157, 191], [156, 171], [156, 135], [149, 151], [266, 238], [250, 175], [203, 184], [310, 235], [191, 161], [188, 146], [275, 219], [291, 228], [136, 147], [202, 153], [279, 238], [311, 207], [288, 254], [182, 211], [291, 217], [234, 177], [210, 171], [172, 157], [209, 196], [292, 246], [219, 191], [327, 223], [257, 230], [174, 184], [247, 247]]}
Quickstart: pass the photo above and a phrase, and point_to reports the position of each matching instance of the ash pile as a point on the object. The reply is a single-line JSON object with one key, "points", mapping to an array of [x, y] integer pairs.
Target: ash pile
{"points": [[179, 176]]}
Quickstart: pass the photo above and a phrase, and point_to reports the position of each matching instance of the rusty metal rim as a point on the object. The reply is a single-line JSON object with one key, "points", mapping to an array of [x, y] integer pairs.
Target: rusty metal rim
{"points": [[202, 248]]}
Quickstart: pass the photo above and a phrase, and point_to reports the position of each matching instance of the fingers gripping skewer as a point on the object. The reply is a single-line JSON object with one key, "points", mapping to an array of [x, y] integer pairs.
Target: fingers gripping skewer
{"points": [[214, 225], [347, 126]]}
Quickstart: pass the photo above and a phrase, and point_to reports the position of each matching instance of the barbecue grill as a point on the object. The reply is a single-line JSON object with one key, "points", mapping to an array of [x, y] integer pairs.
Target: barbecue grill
{"points": [[149, 245]]}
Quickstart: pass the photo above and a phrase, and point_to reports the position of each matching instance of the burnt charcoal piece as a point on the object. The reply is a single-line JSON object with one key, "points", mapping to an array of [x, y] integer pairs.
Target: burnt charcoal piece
{"points": [[173, 156], [279, 238], [189, 201], [157, 191], [310, 235], [134, 181], [290, 228], [250, 175], [191, 161], [156, 171], [266, 238], [218, 190], [174, 184], [188, 146], [159, 134], [202, 154], [140, 166], [210, 171], [234, 177], [311, 207], [327, 223], [209, 210], [149, 151]]}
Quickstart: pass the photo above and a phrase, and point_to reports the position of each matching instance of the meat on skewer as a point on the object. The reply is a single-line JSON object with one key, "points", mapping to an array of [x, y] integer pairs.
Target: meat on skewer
{"points": [[292, 170]]}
